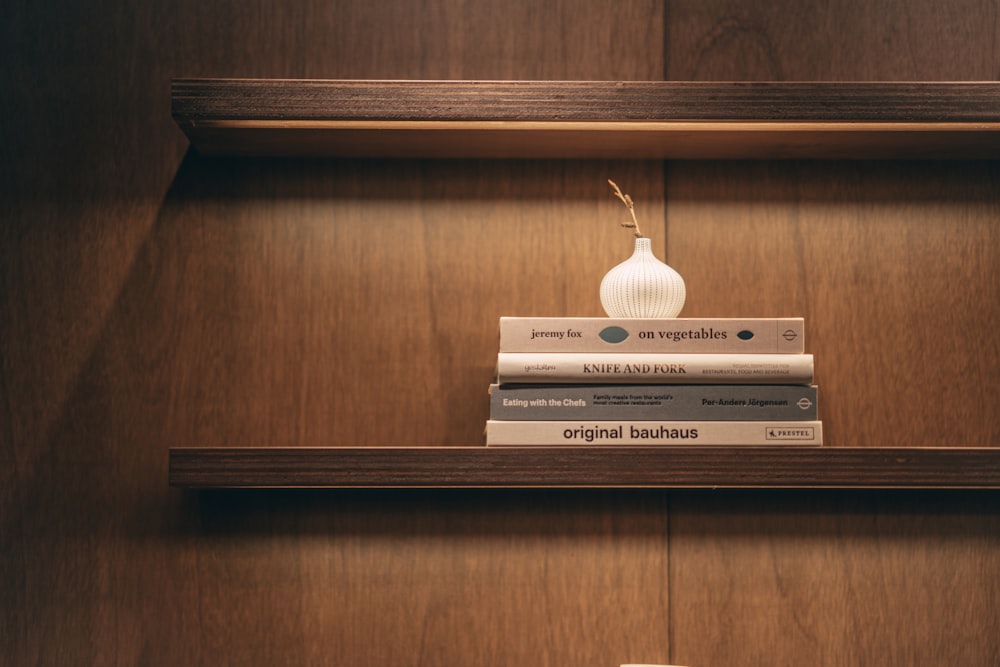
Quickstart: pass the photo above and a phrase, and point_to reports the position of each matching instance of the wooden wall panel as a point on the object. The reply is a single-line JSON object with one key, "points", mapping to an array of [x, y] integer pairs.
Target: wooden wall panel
{"points": [[836, 40], [149, 302], [894, 267], [891, 264], [431, 578], [877, 256], [356, 302], [423, 39], [826, 578], [146, 302]]}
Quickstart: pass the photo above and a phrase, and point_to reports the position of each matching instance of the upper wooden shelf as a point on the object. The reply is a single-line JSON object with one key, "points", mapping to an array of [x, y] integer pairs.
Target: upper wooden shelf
{"points": [[589, 119], [587, 467]]}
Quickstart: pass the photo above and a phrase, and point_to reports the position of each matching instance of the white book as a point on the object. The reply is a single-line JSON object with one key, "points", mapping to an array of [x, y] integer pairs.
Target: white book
{"points": [[760, 335], [638, 368], [576, 433]]}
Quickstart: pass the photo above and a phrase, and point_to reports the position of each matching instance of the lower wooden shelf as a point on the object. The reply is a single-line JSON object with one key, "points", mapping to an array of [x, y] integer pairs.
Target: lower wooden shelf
{"points": [[586, 467]]}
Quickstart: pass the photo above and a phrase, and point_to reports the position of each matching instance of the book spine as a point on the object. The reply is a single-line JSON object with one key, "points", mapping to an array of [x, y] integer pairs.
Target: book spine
{"points": [[652, 402], [675, 335], [598, 368], [577, 433]]}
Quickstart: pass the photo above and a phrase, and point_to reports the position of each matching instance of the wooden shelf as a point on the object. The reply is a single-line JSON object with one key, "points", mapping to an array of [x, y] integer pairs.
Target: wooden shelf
{"points": [[589, 119], [586, 467]]}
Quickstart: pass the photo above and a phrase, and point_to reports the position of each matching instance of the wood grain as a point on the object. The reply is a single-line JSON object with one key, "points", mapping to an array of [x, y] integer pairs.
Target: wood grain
{"points": [[592, 119], [594, 467], [196, 101], [423, 577], [840, 40], [893, 265], [830, 578], [147, 302], [890, 265], [378, 285], [599, 140]]}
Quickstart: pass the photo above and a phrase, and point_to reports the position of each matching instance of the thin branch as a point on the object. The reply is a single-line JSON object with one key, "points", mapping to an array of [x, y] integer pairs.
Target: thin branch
{"points": [[627, 200]]}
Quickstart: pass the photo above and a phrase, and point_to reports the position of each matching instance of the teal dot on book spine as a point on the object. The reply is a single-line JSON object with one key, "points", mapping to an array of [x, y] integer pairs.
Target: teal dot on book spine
{"points": [[613, 334], [745, 335]]}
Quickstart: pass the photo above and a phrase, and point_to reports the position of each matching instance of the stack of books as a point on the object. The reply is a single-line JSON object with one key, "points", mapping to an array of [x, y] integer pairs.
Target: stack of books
{"points": [[684, 381]]}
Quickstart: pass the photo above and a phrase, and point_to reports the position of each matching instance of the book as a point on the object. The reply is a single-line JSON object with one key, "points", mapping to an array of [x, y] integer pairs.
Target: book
{"points": [[783, 335], [575, 433], [706, 402], [641, 368]]}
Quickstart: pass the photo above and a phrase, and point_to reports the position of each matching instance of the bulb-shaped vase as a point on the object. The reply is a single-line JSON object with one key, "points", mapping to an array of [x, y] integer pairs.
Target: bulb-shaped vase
{"points": [[642, 286]]}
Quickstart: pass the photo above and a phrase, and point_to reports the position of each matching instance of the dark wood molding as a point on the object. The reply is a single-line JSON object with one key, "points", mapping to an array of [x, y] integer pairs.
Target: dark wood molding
{"points": [[589, 119], [303, 99], [569, 467]]}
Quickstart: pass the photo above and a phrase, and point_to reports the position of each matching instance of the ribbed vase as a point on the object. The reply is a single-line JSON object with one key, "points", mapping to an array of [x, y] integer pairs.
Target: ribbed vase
{"points": [[642, 286]]}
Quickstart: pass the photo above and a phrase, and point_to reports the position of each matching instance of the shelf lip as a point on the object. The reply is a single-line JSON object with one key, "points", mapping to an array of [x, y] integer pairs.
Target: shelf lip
{"points": [[439, 100], [586, 467], [617, 126], [589, 119]]}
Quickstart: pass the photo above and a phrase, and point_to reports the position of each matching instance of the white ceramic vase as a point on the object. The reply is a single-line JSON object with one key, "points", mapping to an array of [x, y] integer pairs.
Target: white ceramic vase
{"points": [[642, 286]]}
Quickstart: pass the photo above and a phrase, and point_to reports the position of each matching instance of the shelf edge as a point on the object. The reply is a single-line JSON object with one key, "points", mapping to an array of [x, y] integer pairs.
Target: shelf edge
{"points": [[589, 119], [586, 467]]}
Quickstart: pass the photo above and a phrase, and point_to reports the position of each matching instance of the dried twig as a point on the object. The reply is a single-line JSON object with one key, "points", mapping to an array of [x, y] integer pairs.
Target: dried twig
{"points": [[627, 200]]}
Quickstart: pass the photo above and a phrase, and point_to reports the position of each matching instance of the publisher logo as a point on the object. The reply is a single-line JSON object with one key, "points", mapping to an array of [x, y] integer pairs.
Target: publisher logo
{"points": [[789, 335], [804, 403], [790, 433]]}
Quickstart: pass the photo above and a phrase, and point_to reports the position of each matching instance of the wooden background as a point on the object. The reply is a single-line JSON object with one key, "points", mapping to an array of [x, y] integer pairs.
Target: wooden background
{"points": [[150, 297]]}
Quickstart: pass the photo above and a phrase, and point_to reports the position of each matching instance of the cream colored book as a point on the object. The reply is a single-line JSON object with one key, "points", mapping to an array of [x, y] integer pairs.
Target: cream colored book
{"points": [[605, 368], [576, 433], [776, 335]]}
